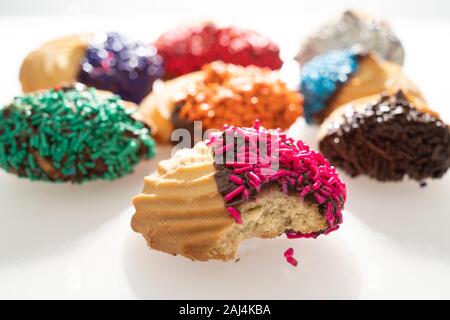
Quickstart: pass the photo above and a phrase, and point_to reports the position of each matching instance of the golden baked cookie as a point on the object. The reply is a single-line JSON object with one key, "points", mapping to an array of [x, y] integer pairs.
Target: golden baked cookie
{"points": [[199, 207], [55, 63]]}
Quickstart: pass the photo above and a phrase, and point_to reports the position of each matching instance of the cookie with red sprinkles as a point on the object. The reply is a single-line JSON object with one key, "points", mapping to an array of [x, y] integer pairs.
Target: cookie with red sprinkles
{"points": [[186, 49], [241, 183]]}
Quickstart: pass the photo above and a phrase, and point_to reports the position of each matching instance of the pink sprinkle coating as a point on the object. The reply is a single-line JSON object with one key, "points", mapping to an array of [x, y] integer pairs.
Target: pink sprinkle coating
{"points": [[269, 156]]}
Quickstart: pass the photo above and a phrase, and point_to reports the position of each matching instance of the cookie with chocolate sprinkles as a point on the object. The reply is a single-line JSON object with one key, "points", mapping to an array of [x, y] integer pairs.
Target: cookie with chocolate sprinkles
{"points": [[71, 134], [387, 137]]}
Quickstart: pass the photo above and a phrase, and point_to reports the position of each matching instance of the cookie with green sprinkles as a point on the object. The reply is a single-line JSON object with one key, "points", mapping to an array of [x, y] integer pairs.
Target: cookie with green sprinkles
{"points": [[72, 134]]}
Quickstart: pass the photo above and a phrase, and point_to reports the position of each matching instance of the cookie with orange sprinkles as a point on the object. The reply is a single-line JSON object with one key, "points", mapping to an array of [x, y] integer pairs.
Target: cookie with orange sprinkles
{"points": [[220, 94]]}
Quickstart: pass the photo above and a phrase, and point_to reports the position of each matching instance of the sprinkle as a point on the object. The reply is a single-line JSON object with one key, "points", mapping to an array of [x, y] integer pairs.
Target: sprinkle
{"points": [[254, 178], [236, 179], [329, 214], [319, 198], [317, 184], [289, 255], [242, 169], [298, 235], [233, 194], [305, 191], [289, 252], [235, 214]]}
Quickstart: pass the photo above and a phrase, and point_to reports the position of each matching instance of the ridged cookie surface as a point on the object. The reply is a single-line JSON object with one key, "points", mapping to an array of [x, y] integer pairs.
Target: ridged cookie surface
{"points": [[180, 211]]}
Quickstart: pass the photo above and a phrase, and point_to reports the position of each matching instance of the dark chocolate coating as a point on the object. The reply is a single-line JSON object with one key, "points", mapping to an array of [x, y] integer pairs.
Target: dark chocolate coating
{"points": [[388, 140], [183, 123]]}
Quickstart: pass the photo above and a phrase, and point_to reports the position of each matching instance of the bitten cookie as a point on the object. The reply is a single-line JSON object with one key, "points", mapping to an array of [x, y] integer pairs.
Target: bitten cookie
{"points": [[186, 49], [221, 94], [340, 76], [108, 61], [239, 184], [353, 28], [387, 137], [71, 134]]}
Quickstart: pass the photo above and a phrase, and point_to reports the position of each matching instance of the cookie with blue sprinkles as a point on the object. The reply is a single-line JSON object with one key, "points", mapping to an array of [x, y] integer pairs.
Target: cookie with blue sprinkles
{"points": [[322, 77], [72, 134], [107, 61], [340, 76]]}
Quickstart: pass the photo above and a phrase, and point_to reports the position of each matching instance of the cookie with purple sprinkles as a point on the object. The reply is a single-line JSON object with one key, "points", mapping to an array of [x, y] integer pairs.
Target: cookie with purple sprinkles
{"points": [[387, 137], [107, 61], [239, 184], [73, 134]]}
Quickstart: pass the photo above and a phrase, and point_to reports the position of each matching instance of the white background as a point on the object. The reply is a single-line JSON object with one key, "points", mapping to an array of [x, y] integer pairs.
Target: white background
{"points": [[70, 241]]}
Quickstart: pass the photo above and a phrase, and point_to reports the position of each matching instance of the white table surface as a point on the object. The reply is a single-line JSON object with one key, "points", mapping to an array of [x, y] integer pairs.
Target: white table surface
{"points": [[74, 241]]}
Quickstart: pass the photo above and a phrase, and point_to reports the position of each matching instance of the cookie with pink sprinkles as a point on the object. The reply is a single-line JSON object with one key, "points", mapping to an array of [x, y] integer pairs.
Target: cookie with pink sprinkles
{"points": [[237, 184]]}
